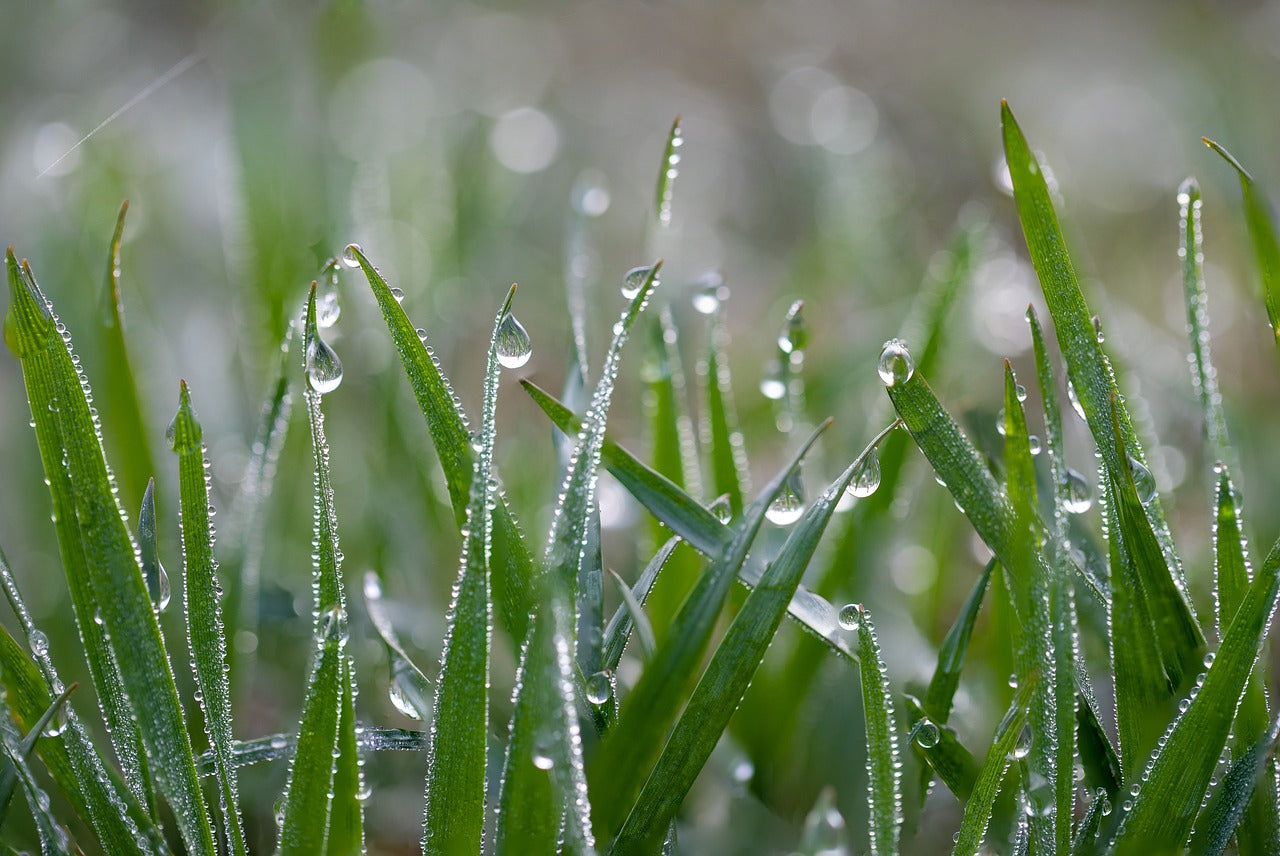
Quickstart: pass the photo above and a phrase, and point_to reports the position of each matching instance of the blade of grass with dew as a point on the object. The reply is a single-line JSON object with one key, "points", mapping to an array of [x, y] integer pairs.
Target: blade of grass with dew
{"points": [[724, 682], [544, 725], [977, 810], [119, 591], [691, 520], [448, 428], [1221, 818], [455, 785], [53, 838], [409, 690], [1177, 776], [1085, 840], [313, 805], [955, 647], [667, 174], [953, 763], [71, 757], [632, 747], [618, 631], [9, 776], [1088, 369], [201, 590], [1262, 229], [121, 405], [346, 818], [884, 758], [30, 332], [726, 452]]}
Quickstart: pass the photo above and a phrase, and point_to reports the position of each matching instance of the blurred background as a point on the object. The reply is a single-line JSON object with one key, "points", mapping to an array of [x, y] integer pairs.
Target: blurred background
{"points": [[831, 152]]}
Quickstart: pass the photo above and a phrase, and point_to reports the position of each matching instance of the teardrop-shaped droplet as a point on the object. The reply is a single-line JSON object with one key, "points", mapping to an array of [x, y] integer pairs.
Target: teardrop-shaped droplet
{"points": [[896, 365], [1143, 481], [1097, 329], [599, 688], [635, 280], [1079, 498], [324, 369], [850, 616], [408, 692], [709, 292], [514, 346], [39, 643], [866, 478], [57, 724], [825, 830], [328, 309], [788, 506], [1020, 392], [333, 625], [794, 336], [1101, 794], [722, 509], [350, 257], [1023, 747], [161, 593], [926, 734], [772, 385], [1033, 442], [542, 757], [1000, 414]]}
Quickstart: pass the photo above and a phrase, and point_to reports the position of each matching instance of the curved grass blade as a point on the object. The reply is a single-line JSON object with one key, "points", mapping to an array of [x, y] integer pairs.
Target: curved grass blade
{"points": [[1226, 809], [410, 691], [118, 589], [9, 776], [954, 649], [1263, 231], [313, 805], [692, 522], [71, 758], [884, 758], [1177, 776], [977, 810], [346, 818], [53, 839], [727, 676], [624, 619], [730, 474], [201, 590], [632, 747], [514, 577], [455, 809]]}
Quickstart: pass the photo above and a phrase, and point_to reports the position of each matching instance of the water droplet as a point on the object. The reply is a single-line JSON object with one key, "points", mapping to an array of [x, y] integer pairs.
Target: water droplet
{"points": [[39, 643], [896, 366], [404, 690], [795, 332], [1143, 481], [635, 280], [398, 294], [825, 827], [328, 309], [1020, 392], [721, 509], [866, 478], [349, 257], [333, 625], [324, 369], [850, 616], [161, 593], [1000, 414], [1079, 498], [1101, 794], [1033, 442], [1097, 329], [599, 688], [788, 506], [709, 292], [514, 346], [58, 724], [542, 757], [1013, 680], [772, 385], [1208, 659], [926, 734], [1023, 747]]}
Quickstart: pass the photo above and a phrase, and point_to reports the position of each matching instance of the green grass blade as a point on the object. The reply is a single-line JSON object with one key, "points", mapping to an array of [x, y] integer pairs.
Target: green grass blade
{"points": [[70, 757], [1177, 776], [118, 588], [53, 839], [9, 776], [674, 449], [1262, 229], [727, 455], [733, 664], [977, 810], [1085, 840], [409, 690], [346, 817], [954, 649], [619, 628], [667, 174], [201, 591], [511, 560], [944, 753], [304, 822], [455, 809], [632, 747], [1221, 818], [884, 758]]}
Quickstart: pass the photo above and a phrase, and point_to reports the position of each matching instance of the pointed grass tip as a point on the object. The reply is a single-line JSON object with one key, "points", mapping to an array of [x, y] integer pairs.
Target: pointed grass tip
{"points": [[1229, 158]]}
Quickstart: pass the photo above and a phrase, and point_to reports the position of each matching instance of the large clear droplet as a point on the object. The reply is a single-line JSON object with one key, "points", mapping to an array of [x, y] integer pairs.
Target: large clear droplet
{"points": [[866, 478], [635, 280], [328, 309], [788, 506], [1033, 443], [159, 588], [825, 830], [350, 257], [1023, 747], [795, 332], [333, 625], [709, 292], [39, 643], [514, 346], [408, 693], [58, 724], [1079, 498], [1143, 481], [850, 616], [542, 757], [599, 688], [926, 734], [896, 366], [324, 369]]}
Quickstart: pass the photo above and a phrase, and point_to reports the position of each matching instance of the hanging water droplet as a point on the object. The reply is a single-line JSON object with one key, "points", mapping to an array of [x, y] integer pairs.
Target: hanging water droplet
{"points": [[1033, 442], [635, 280], [850, 616], [788, 506], [795, 332], [1013, 680], [407, 693], [1097, 329], [722, 509], [39, 643], [709, 292], [542, 757], [328, 309], [349, 257], [866, 478], [1143, 481], [1000, 414], [1040, 802], [599, 688], [514, 346], [772, 385], [58, 724], [162, 593], [926, 734], [1020, 392], [896, 366], [324, 369], [1023, 747], [1079, 498], [1101, 794], [824, 827], [333, 625]]}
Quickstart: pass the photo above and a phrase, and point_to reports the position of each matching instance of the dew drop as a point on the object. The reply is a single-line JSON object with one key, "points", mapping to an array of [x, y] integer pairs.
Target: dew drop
{"points": [[896, 366], [1143, 481], [1023, 747], [58, 724], [514, 346], [350, 257], [926, 734], [1033, 442], [722, 509], [159, 589], [39, 643], [850, 616], [1000, 414], [1020, 392], [709, 292], [398, 294], [333, 625], [794, 336], [866, 478], [1208, 659], [1013, 680], [1079, 498], [407, 692], [635, 280], [1097, 329], [772, 385], [542, 757], [328, 309], [324, 369], [599, 688], [1101, 794], [788, 506]]}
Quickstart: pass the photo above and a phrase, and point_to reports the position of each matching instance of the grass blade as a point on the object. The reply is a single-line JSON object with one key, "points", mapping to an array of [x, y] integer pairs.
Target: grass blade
{"points": [[734, 663], [201, 590], [346, 817], [304, 822], [1177, 776], [447, 425], [53, 839], [730, 474], [1085, 840], [117, 586], [667, 174], [455, 809], [409, 691], [619, 628], [945, 754], [1221, 818], [9, 777], [954, 649], [1263, 231], [884, 759]]}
